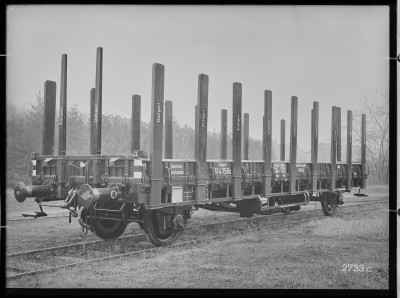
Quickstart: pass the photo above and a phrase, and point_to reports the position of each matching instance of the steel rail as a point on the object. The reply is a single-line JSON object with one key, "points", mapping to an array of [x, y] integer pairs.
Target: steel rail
{"points": [[64, 214], [87, 245], [181, 243]]}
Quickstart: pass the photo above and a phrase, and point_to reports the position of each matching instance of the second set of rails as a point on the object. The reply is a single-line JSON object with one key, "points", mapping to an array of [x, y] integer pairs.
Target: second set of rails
{"points": [[79, 253]]}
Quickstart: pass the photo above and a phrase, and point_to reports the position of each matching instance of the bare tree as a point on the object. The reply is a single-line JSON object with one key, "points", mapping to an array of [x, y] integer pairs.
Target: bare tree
{"points": [[376, 109]]}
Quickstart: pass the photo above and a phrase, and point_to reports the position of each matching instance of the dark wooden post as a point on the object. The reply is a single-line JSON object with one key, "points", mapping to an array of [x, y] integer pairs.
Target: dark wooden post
{"points": [[312, 131], [135, 123], [293, 144], [97, 117], [282, 155], [349, 148], [98, 99], [168, 130], [201, 148], [236, 141], [267, 142], [334, 136], [339, 134], [62, 130], [62, 120], [49, 115], [92, 123], [246, 136], [363, 148], [157, 104], [196, 131], [224, 130], [314, 145]]}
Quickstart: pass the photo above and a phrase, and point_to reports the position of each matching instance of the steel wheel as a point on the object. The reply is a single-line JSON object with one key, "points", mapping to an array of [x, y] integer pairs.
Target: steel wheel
{"points": [[328, 203], [108, 228], [154, 235]]}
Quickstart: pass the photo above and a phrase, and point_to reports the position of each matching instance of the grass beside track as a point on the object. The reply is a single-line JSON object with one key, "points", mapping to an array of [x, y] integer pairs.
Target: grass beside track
{"points": [[31, 234], [309, 255]]}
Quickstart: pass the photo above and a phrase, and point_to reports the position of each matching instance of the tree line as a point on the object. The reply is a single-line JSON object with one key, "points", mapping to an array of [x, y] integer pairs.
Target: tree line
{"points": [[24, 136]]}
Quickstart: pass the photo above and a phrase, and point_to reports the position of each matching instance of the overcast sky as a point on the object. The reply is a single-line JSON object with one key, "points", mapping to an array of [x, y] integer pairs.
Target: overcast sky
{"points": [[331, 54]]}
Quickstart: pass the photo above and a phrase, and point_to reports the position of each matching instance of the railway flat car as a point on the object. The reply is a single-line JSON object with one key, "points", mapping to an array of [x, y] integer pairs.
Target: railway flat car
{"points": [[107, 192]]}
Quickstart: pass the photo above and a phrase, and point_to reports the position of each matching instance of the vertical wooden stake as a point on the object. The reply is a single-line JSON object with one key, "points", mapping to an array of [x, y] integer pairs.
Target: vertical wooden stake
{"points": [[334, 136], [267, 142], [283, 145], [363, 148], [236, 141], [49, 115], [224, 133], [201, 192], [349, 148], [62, 131], [339, 134], [92, 123], [312, 131], [97, 117], [246, 136], [62, 120], [157, 103], [314, 146], [168, 130], [196, 132], [293, 144], [135, 123], [98, 99]]}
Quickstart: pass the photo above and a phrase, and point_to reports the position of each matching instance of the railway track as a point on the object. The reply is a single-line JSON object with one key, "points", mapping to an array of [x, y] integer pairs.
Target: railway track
{"points": [[54, 258], [348, 200]]}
